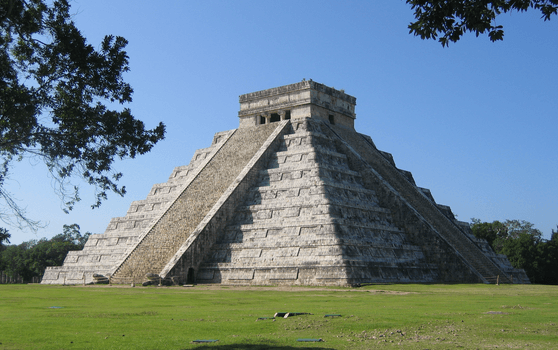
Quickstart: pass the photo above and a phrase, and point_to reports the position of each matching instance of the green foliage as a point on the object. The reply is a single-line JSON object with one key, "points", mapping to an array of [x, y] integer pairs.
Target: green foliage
{"points": [[450, 19], [54, 93], [12, 261], [522, 252], [488, 231], [4, 237], [30, 259], [524, 246], [71, 233], [373, 317], [548, 259]]}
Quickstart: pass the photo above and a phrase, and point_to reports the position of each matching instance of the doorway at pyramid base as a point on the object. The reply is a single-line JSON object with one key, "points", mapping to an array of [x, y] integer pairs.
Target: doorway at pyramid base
{"points": [[294, 196]]}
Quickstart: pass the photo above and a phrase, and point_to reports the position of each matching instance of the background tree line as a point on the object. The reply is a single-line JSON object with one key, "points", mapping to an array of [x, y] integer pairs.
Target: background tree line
{"points": [[524, 246], [30, 259]]}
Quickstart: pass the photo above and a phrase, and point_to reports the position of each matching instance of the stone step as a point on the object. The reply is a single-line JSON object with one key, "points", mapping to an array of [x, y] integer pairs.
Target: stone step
{"points": [[311, 168], [306, 154], [324, 224], [150, 206], [350, 191], [297, 203]]}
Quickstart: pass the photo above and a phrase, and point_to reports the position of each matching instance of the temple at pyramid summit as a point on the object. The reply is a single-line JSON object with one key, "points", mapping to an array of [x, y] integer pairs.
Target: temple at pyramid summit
{"points": [[294, 196]]}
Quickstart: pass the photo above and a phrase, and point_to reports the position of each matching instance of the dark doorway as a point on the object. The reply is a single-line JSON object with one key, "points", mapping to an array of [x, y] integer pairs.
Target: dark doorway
{"points": [[275, 118], [190, 279]]}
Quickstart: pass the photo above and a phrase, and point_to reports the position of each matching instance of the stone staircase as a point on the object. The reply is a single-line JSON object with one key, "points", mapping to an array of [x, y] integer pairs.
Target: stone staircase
{"points": [[448, 230], [103, 252], [175, 226]]}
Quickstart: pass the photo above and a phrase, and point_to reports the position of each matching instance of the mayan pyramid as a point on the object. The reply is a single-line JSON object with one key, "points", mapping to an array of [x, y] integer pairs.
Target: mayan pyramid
{"points": [[293, 196]]}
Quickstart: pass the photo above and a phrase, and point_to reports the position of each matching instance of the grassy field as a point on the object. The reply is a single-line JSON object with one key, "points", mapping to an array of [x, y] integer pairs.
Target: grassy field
{"points": [[373, 317]]}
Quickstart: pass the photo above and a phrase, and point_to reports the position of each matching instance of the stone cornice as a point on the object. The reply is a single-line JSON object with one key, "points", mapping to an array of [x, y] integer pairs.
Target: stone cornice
{"points": [[296, 95], [278, 106], [303, 85]]}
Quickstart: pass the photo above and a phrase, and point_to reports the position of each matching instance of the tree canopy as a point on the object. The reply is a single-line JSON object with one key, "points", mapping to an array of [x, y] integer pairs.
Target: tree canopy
{"points": [[4, 237], [30, 259], [524, 247], [56, 91], [450, 19]]}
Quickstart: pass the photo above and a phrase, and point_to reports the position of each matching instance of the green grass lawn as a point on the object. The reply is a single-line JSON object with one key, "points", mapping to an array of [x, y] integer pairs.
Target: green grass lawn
{"points": [[380, 316]]}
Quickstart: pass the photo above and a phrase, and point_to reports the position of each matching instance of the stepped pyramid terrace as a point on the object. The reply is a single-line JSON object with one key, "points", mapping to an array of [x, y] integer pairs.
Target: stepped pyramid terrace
{"points": [[294, 196]]}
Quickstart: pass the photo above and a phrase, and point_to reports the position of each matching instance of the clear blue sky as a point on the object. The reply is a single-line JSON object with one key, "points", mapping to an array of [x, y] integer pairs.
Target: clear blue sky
{"points": [[477, 123]]}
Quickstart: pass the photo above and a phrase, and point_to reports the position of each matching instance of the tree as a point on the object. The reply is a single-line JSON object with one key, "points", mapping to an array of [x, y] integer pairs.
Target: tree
{"points": [[497, 232], [488, 231], [30, 259], [548, 260], [54, 93], [524, 247], [523, 253], [71, 233], [12, 261], [450, 19], [4, 237]]}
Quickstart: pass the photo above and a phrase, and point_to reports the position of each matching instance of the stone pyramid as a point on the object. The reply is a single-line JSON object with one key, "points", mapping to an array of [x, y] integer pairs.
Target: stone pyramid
{"points": [[293, 196]]}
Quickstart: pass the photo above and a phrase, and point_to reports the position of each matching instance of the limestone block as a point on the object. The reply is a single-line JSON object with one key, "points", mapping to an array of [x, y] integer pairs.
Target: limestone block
{"points": [[205, 274], [220, 255], [330, 272], [285, 273], [91, 242], [239, 274], [317, 230], [284, 252], [247, 253], [321, 251], [72, 257], [290, 212], [75, 275], [93, 258], [51, 274], [275, 176], [264, 214]]}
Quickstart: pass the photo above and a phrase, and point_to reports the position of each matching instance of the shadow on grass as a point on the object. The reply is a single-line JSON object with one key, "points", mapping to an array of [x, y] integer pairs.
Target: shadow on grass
{"points": [[258, 347]]}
